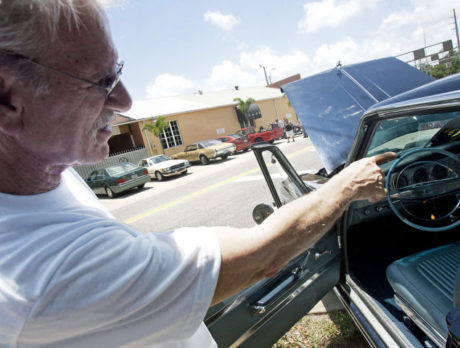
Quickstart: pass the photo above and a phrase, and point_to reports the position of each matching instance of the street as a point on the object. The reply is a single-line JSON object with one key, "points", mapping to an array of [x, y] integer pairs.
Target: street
{"points": [[222, 193]]}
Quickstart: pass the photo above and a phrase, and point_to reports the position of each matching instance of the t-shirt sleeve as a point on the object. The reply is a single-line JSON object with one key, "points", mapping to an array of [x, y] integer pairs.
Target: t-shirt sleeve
{"points": [[117, 288]]}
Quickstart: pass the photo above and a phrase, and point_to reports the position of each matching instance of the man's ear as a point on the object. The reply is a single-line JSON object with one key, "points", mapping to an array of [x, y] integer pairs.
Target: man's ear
{"points": [[10, 103]]}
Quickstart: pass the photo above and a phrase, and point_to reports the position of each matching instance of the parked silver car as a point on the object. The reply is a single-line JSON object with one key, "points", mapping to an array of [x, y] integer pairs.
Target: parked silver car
{"points": [[162, 166]]}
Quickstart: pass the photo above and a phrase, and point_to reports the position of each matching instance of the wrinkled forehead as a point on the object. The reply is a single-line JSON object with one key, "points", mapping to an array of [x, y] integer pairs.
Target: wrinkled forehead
{"points": [[89, 43]]}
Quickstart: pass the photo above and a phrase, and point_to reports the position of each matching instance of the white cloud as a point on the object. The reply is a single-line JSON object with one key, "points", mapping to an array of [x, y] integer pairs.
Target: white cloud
{"points": [[428, 21], [276, 66], [224, 22], [228, 74], [346, 51], [331, 13], [169, 85], [248, 71]]}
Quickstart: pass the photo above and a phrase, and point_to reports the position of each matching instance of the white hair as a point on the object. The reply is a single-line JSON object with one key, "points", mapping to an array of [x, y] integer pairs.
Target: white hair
{"points": [[32, 27]]}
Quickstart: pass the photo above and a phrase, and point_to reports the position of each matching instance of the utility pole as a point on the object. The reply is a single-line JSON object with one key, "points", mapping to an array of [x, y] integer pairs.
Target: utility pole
{"points": [[456, 30], [265, 73]]}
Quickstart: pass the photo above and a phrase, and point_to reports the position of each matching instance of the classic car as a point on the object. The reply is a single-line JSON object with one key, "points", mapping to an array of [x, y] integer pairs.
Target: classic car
{"points": [[117, 178], [162, 166], [241, 142], [206, 150], [393, 263], [269, 135]]}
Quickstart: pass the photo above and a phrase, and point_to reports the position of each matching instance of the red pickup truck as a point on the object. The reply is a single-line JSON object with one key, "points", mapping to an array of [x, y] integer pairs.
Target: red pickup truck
{"points": [[269, 135]]}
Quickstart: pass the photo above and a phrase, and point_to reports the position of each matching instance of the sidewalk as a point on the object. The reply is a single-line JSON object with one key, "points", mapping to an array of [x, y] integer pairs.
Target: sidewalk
{"points": [[329, 302]]}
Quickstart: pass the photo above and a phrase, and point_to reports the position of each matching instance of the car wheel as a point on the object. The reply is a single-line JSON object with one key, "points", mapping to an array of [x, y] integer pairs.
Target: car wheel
{"points": [[224, 157], [204, 160], [159, 176], [109, 192], [140, 187], [184, 172], [246, 149]]}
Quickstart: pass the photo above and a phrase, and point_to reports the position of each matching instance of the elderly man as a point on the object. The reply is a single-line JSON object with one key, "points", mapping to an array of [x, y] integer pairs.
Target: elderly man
{"points": [[70, 274]]}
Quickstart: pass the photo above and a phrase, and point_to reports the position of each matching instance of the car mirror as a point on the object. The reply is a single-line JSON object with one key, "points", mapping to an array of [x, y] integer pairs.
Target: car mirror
{"points": [[261, 212]]}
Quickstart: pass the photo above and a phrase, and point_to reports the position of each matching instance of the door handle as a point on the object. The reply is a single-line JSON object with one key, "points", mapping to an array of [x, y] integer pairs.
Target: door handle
{"points": [[264, 303], [325, 252]]}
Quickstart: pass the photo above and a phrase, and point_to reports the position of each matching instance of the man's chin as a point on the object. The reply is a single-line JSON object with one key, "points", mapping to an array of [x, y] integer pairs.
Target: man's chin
{"points": [[96, 155]]}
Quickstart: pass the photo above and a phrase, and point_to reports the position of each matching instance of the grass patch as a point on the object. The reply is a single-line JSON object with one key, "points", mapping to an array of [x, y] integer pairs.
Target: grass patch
{"points": [[333, 329]]}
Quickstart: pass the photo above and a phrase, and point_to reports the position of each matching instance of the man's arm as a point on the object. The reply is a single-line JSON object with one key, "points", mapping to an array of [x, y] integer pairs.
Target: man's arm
{"points": [[249, 255]]}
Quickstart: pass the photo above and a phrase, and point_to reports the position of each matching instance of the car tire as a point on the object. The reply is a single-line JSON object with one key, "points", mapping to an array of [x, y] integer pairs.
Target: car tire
{"points": [[140, 187], [109, 192], [184, 172], [204, 160], [224, 157], [246, 149], [159, 176]]}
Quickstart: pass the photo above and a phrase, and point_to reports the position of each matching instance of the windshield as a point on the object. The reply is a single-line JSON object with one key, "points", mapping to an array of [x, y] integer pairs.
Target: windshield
{"points": [[121, 168], [160, 158], [208, 143], [400, 134]]}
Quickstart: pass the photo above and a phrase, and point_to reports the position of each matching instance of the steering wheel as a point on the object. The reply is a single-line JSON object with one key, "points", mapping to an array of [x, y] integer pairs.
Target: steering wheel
{"points": [[430, 203]]}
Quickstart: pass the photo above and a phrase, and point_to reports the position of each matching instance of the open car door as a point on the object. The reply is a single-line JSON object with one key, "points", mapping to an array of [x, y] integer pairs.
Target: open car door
{"points": [[259, 315]]}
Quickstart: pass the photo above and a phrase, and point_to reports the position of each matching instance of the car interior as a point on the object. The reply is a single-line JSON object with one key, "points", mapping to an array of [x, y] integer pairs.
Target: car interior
{"points": [[404, 251]]}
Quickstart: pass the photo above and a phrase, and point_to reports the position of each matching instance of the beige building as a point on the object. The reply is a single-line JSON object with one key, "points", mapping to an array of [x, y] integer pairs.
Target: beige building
{"points": [[200, 116]]}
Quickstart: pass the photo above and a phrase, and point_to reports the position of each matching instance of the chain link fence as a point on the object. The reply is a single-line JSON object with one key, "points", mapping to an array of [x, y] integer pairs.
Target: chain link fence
{"points": [[133, 156]]}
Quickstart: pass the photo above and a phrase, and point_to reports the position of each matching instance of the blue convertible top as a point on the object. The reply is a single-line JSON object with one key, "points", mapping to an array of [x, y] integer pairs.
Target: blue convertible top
{"points": [[330, 104]]}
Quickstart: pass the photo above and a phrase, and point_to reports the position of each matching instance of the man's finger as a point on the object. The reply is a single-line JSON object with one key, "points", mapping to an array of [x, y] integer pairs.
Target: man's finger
{"points": [[385, 157]]}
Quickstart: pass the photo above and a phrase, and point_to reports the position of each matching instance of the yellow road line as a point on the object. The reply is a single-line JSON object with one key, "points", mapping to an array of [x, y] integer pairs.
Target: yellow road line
{"points": [[204, 190]]}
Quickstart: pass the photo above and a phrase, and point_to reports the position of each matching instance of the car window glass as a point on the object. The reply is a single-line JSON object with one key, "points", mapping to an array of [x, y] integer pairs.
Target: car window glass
{"points": [[120, 168], [208, 143], [285, 186], [161, 158], [403, 133]]}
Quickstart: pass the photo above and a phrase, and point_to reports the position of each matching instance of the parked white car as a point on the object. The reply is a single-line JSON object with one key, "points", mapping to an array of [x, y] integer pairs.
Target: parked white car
{"points": [[162, 166]]}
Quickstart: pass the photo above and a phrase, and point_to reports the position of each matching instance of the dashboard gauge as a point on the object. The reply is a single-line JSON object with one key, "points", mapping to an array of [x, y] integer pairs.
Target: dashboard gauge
{"points": [[420, 175], [401, 181], [440, 172]]}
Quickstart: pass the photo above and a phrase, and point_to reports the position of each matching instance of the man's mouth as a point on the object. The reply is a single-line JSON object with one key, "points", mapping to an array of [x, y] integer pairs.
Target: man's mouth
{"points": [[106, 128]]}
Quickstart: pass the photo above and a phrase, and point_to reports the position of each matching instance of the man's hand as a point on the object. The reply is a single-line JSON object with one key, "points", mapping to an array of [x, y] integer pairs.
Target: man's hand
{"points": [[366, 177]]}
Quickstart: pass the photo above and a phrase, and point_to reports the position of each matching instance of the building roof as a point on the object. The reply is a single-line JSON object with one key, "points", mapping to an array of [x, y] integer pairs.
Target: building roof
{"points": [[165, 106], [279, 83], [120, 120]]}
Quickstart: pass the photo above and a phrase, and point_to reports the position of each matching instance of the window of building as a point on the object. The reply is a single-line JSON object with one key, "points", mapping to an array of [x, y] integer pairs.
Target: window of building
{"points": [[170, 137]]}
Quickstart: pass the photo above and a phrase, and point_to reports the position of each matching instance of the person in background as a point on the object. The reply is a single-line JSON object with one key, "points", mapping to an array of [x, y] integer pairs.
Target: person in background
{"points": [[281, 125], [289, 132], [71, 275]]}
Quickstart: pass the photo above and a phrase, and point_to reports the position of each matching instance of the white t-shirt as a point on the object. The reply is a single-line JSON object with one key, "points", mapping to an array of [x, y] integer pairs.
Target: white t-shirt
{"points": [[73, 276]]}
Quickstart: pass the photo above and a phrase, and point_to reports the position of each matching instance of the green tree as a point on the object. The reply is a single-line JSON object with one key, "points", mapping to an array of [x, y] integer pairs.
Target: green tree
{"points": [[243, 105], [441, 70], [157, 127]]}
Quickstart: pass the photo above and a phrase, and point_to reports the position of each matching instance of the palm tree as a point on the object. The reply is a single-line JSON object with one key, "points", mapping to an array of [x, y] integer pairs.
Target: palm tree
{"points": [[157, 128], [243, 105]]}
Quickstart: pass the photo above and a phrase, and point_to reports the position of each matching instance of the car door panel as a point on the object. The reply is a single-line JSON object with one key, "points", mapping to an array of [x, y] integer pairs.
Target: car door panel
{"points": [[262, 313]]}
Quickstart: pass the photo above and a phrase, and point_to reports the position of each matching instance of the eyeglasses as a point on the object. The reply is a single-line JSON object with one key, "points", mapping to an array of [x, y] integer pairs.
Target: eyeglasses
{"points": [[107, 83]]}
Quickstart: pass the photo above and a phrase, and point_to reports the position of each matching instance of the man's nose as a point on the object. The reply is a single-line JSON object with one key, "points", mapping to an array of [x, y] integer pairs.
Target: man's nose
{"points": [[119, 100]]}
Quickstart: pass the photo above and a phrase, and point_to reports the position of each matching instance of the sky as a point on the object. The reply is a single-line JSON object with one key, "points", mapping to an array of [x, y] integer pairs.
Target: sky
{"points": [[178, 47]]}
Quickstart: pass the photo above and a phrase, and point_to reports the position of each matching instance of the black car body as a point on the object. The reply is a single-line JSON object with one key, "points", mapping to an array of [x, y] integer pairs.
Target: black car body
{"points": [[393, 264]]}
